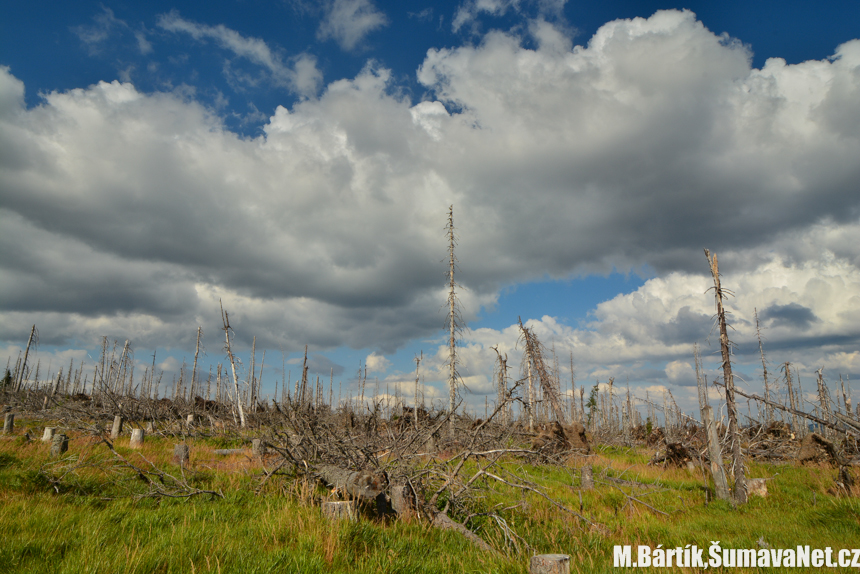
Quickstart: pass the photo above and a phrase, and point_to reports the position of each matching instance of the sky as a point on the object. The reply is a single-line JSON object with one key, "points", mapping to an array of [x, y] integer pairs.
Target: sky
{"points": [[296, 161]]}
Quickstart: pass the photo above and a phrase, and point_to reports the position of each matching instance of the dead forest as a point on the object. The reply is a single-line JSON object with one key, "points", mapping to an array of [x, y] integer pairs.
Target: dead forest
{"points": [[392, 456]]}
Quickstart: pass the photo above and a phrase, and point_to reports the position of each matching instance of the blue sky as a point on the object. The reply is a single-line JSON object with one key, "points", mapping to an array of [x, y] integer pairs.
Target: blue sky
{"points": [[296, 160]]}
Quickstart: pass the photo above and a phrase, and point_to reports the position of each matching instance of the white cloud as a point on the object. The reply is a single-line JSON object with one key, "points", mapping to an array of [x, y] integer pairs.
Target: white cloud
{"points": [[300, 74], [348, 22], [376, 363], [681, 373]]}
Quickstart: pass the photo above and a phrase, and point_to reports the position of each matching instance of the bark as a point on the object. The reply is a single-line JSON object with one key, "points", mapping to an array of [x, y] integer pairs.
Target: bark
{"points": [[226, 321], [361, 484], [24, 363], [734, 432]]}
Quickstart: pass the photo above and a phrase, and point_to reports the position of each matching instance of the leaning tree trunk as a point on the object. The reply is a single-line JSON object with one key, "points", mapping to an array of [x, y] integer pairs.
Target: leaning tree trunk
{"points": [[740, 490]]}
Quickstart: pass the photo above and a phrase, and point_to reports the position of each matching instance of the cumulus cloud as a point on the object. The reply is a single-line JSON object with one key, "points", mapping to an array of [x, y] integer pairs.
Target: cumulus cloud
{"points": [[131, 214], [348, 22], [376, 363], [298, 73]]}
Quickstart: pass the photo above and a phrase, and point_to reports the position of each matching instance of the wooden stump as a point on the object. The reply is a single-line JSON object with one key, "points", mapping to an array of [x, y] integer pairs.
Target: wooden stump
{"points": [[59, 445], [339, 510], [363, 484], [721, 485], [550, 564], [150, 427], [181, 454], [402, 499], [258, 447], [586, 482], [48, 435], [9, 424], [116, 430], [757, 487], [189, 420], [137, 436]]}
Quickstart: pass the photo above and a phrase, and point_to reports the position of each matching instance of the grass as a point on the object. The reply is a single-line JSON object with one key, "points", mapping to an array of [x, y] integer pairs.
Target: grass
{"points": [[89, 523]]}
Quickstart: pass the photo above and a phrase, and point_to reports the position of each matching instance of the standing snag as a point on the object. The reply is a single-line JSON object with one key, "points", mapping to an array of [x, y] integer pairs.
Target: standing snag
{"points": [[453, 316], [739, 492]]}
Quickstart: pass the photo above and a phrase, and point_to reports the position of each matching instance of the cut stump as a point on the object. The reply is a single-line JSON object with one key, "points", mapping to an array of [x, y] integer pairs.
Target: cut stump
{"points": [[181, 454], [48, 435], [116, 430], [137, 436], [339, 510], [550, 564], [59, 445]]}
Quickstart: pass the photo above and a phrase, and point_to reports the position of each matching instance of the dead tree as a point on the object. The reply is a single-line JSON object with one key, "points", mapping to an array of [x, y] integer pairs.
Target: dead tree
{"points": [[535, 357], [502, 386], [454, 319], [226, 321], [768, 409], [33, 338], [791, 399], [740, 491], [415, 404]]}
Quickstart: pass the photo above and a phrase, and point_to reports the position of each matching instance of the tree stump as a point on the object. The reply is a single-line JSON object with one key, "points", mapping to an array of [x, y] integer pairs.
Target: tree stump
{"points": [[9, 424], [59, 445], [402, 499], [48, 435], [116, 430], [137, 436], [363, 484], [339, 510], [550, 564], [721, 485], [757, 487], [181, 454], [150, 427], [586, 482], [189, 420], [258, 447]]}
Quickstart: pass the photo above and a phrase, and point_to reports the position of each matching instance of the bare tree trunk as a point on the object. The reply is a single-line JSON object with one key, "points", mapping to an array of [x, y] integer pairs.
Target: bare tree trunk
{"points": [[768, 410], [531, 412], [194, 368], [791, 399], [740, 491], [415, 404], [846, 397], [304, 387], [452, 316], [824, 401], [30, 341], [252, 377], [226, 320]]}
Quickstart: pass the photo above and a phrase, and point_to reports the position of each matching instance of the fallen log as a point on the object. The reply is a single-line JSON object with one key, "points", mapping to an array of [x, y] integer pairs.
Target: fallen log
{"points": [[443, 521], [813, 418]]}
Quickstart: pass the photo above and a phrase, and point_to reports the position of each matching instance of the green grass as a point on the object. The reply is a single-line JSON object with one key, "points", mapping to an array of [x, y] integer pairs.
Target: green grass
{"points": [[89, 523]]}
